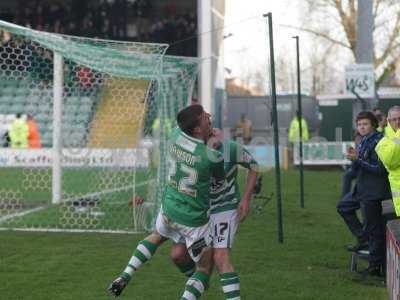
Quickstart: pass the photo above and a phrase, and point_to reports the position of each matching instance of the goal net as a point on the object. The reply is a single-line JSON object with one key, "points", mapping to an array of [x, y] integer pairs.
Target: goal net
{"points": [[96, 104]]}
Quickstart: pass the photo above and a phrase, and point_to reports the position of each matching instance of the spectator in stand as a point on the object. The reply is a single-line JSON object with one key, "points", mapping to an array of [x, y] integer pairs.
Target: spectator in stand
{"points": [[371, 189], [19, 132], [85, 77], [33, 133], [142, 9], [109, 20]]}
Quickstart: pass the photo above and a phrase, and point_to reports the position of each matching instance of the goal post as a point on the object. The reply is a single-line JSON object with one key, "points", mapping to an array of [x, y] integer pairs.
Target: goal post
{"points": [[104, 110], [57, 115]]}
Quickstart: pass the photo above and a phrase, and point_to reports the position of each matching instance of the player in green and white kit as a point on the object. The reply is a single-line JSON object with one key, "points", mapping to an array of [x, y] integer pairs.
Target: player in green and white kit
{"points": [[227, 209], [184, 212]]}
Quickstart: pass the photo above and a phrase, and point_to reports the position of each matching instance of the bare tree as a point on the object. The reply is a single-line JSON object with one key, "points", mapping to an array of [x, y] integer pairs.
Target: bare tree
{"points": [[335, 21]]}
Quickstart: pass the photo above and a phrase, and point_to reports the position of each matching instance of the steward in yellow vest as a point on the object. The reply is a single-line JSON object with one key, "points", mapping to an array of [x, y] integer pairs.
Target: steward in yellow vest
{"points": [[294, 130], [19, 133], [388, 150]]}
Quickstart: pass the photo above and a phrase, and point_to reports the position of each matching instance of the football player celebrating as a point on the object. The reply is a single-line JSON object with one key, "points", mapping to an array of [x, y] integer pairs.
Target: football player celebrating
{"points": [[227, 210], [185, 205]]}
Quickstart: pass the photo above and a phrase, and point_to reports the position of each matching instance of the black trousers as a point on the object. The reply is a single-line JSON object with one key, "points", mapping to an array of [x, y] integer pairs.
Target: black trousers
{"points": [[372, 229], [348, 176]]}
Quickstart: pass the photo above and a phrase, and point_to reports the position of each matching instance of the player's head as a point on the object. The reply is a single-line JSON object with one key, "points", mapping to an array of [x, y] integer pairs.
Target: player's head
{"points": [[194, 121], [366, 123]]}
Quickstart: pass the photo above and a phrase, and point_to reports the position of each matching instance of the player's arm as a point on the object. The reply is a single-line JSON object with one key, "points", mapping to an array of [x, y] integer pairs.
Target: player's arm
{"points": [[244, 206], [246, 160]]}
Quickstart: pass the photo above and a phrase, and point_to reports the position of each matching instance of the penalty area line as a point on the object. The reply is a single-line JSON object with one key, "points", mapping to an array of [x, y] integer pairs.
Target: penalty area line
{"points": [[21, 213]]}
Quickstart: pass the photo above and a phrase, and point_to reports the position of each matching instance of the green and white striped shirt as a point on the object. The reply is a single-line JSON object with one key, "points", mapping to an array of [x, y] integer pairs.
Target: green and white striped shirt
{"points": [[234, 155]]}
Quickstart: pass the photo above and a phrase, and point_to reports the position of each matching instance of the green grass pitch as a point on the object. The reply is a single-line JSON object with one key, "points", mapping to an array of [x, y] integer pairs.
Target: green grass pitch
{"points": [[29, 190], [311, 264]]}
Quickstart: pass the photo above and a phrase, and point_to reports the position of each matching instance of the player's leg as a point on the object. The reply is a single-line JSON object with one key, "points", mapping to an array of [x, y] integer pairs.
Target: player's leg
{"points": [[182, 259], [198, 242], [225, 225], [143, 252]]}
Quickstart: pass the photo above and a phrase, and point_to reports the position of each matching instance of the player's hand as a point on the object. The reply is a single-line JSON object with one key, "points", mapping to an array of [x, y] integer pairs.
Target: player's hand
{"points": [[244, 209], [138, 200], [215, 138]]}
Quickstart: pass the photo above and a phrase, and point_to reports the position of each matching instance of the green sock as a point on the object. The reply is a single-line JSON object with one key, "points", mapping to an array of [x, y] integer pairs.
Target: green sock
{"points": [[188, 269], [230, 285], [143, 252], [195, 286]]}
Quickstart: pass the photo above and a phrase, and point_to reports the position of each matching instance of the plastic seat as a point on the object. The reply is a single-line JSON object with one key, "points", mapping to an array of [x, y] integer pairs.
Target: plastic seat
{"points": [[82, 118]]}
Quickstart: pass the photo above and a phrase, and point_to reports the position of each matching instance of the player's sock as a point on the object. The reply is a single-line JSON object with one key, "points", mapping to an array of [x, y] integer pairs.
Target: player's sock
{"points": [[188, 269], [143, 252], [195, 286], [230, 285]]}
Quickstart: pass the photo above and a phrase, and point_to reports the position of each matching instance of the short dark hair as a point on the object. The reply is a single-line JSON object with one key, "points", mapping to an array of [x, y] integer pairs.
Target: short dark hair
{"points": [[189, 118], [375, 109], [368, 115]]}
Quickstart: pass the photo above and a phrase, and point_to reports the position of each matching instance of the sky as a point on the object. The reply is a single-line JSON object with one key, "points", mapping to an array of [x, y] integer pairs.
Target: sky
{"points": [[248, 46]]}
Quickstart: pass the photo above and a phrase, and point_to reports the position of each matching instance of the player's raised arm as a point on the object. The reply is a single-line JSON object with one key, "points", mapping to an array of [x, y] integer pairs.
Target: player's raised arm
{"points": [[246, 160]]}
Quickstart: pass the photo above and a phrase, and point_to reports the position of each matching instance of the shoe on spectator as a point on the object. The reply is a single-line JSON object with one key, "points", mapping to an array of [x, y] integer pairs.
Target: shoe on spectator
{"points": [[373, 270], [358, 247]]}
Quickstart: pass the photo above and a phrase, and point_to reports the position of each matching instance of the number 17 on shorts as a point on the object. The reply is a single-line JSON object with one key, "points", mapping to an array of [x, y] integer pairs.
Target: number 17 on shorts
{"points": [[225, 225]]}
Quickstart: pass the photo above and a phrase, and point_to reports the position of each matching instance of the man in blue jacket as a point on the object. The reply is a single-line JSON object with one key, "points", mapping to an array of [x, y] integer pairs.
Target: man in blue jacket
{"points": [[371, 188]]}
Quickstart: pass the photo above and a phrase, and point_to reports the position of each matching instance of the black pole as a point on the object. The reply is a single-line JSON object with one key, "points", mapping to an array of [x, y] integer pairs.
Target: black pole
{"points": [[299, 119], [276, 132]]}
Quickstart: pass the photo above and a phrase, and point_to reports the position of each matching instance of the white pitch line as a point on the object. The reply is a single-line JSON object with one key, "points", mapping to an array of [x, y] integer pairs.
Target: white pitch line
{"points": [[21, 214], [108, 191], [29, 211], [72, 230]]}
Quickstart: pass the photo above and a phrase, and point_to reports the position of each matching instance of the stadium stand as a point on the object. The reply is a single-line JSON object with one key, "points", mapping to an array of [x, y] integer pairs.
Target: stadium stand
{"points": [[17, 97], [140, 20]]}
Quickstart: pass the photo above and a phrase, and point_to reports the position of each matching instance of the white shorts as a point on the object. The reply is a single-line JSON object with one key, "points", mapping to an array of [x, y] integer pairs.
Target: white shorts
{"points": [[224, 227], [195, 238]]}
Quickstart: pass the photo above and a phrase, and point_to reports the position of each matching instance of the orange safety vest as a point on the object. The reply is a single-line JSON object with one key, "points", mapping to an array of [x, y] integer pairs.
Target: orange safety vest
{"points": [[33, 135]]}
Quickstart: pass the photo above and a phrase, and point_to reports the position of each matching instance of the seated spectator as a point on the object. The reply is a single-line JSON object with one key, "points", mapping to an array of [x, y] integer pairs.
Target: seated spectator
{"points": [[372, 187], [350, 174]]}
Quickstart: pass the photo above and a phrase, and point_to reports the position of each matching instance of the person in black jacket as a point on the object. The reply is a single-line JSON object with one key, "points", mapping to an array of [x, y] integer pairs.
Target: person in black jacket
{"points": [[371, 188]]}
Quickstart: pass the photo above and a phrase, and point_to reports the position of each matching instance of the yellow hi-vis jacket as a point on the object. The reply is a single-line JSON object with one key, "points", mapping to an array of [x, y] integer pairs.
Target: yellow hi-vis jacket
{"points": [[294, 130], [156, 127], [388, 150], [19, 134]]}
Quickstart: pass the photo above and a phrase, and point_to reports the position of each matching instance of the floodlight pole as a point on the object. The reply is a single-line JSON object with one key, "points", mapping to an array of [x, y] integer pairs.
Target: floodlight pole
{"points": [[299, 119], [275, 125]]}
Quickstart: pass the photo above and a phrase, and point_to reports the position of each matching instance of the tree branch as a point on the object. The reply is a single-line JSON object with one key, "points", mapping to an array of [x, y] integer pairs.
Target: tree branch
{"points": [[349, 25], [391, 43], [387, 71], [319, 34], [376, 8]]}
